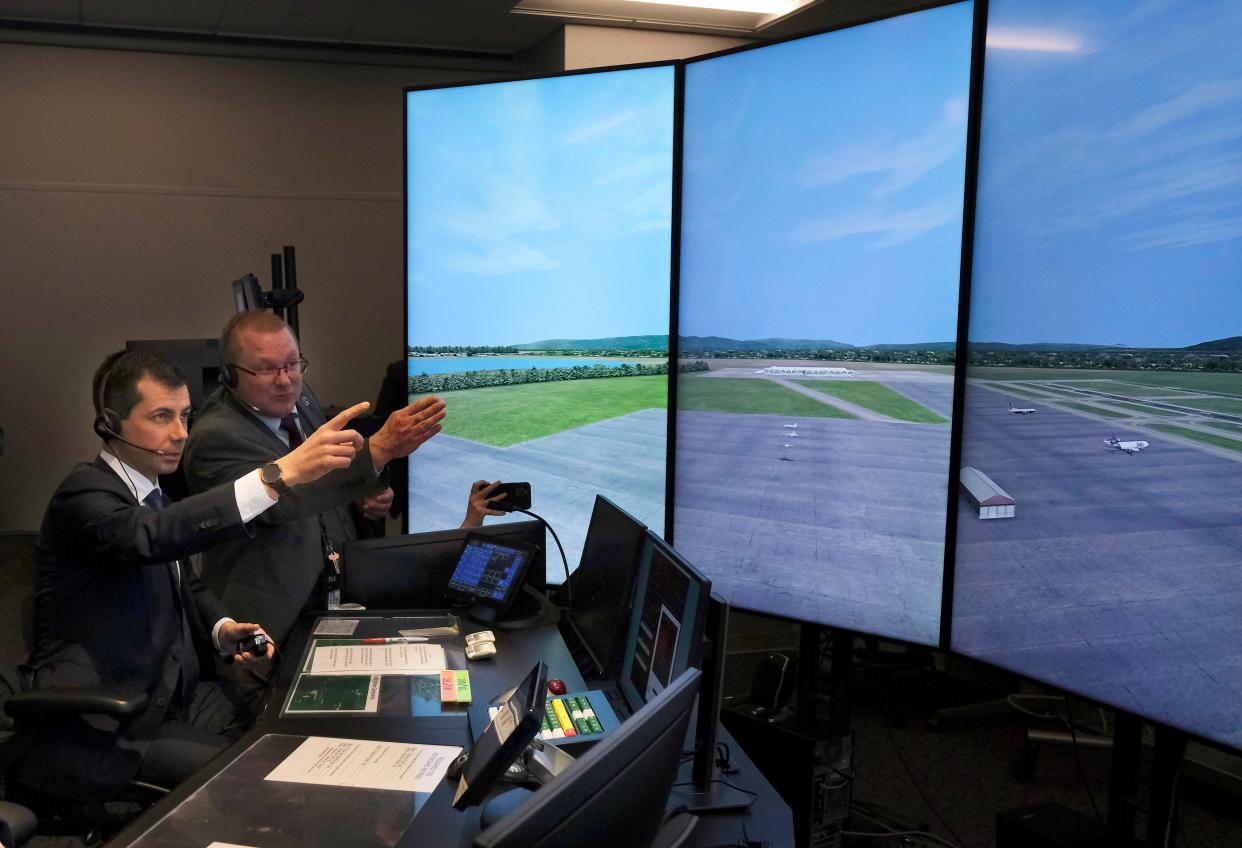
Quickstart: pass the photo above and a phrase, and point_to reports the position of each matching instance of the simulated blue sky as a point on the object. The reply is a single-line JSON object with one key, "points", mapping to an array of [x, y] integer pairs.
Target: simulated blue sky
{"points": [[823, 185], [1110, 202], [540, 208]]}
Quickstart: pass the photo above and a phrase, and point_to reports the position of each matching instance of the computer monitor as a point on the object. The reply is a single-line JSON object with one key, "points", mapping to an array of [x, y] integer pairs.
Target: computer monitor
{"points": [[413, 571], [549, 200], [1104, 391], [813, 429], [504, 739], [603, 584], [615, 793], [665, 634], [248, 294]]}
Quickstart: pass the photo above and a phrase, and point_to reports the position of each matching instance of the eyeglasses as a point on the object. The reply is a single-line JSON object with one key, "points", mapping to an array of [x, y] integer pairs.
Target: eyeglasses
{"points": [[299, 365]]}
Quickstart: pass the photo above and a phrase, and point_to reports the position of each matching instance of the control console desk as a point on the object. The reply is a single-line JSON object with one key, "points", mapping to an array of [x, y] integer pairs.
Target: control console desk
{"points": [[231, 802]]}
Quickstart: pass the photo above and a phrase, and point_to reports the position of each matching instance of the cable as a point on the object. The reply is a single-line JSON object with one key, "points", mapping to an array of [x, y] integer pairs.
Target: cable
{"points": [[569, 590], [892, 831], [1069, 711], [915, 782]]}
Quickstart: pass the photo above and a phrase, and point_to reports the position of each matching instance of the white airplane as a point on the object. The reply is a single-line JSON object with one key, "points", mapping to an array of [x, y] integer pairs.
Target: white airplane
{"points": [[792, 425], [1017, 410], [1128, 447]]}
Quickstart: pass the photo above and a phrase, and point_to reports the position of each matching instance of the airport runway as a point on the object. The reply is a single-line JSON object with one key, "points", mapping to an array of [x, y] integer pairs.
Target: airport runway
{"points": [[622, 458], [1120, 577], [847, 529]]}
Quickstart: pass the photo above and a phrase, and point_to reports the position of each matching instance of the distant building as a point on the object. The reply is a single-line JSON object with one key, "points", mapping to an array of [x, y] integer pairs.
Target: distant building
{"points": [[786, 371], [990, 499]]}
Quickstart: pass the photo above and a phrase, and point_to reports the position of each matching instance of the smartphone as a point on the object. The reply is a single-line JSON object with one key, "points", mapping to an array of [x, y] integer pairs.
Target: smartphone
{"points": [[516, 495]]}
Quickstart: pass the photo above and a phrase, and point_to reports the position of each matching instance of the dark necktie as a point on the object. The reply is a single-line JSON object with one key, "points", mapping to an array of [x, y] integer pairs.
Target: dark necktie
{"points": [[290, 425], [157, 500]]}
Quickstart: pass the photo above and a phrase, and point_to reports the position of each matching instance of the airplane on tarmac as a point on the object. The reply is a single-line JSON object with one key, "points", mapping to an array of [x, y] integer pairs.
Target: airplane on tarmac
{"points": [[1114, 443], [1021, 410]]}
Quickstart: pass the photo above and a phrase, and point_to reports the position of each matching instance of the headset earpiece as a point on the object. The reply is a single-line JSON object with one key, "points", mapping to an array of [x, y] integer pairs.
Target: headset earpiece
{"points": [[107, 422], [108, 425], [227, 375]]}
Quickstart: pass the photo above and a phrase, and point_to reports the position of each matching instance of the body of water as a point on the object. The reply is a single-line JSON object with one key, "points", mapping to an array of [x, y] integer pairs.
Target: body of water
{"points": [[460, 364]]}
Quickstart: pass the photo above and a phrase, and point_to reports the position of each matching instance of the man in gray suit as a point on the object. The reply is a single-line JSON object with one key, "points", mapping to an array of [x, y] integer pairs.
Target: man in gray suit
{"points": [[260, 413]]}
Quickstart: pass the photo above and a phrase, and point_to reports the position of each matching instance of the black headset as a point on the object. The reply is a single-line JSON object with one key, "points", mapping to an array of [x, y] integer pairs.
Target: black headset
{"points": [[107, 422], [228, 376]]}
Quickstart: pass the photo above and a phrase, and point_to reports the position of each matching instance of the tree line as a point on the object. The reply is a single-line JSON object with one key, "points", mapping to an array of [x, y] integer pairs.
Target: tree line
{"points": [[434, 383]]}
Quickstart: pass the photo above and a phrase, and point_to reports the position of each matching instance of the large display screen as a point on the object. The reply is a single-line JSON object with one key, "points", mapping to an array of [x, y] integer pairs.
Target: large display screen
{"points": [[1100, 523], [539, 220], [822, 201]]}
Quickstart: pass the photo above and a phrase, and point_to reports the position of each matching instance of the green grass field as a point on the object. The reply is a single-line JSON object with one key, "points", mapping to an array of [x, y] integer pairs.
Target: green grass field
{"points": [[1120, 387], [1205, 381], [1223, 425], [877, 397], [1095, 410], [506, 415], [748, 396], [1059, 392], [1146, 410], [1037, 392], [1213, 404], [1198, 436]]}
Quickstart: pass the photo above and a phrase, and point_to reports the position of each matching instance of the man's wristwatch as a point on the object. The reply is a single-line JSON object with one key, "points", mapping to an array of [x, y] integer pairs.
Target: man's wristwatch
{"points": [[271, 475]]}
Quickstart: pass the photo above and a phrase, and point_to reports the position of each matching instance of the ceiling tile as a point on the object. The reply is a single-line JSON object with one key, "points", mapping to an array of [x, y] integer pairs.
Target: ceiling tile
{"points": [[400, 22], [61, 11], [183, 16], [329, 20], [514, 33], [836, 13]]}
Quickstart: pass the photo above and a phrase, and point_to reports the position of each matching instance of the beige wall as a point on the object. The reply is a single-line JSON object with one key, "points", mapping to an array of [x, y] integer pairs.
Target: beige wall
{"points": [[595, 47], [135, 186]]}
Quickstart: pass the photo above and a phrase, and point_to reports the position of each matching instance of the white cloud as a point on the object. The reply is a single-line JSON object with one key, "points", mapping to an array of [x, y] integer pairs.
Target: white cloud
{"points": [[499, 258], [602, 127], [902, 163], [1033, 40], [889, 228]]}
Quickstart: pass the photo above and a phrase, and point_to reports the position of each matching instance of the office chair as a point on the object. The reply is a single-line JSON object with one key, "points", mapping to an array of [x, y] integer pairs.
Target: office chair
{"points": [[24, 711], [17, 824]]}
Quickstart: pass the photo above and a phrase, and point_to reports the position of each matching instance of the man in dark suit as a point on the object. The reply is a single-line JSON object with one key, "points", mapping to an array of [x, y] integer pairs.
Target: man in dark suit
{"points": [[115, 605], [262, 410]]}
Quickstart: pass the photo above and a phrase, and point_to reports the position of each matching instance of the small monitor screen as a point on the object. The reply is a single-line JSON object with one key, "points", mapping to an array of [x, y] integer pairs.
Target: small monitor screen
{"points": [[514, 726], [614, 794], [603, 584], [666, 622], [490, 572]]}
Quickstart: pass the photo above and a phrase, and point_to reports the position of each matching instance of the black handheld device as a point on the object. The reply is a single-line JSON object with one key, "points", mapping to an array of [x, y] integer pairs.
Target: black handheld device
{"points": [[255, 644], [516, 496]]}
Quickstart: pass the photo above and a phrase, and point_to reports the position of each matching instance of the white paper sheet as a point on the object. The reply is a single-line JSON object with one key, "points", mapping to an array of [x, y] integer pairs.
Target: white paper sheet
{"points": [[363, 764], [401, 658], [336, 627]]}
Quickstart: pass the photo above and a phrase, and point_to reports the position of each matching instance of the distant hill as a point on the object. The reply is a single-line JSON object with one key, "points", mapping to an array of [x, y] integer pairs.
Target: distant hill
{"points": [[993, 347], [1229, 344], [697, 344], [614, 343], [690, 344], [916, 346]]}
